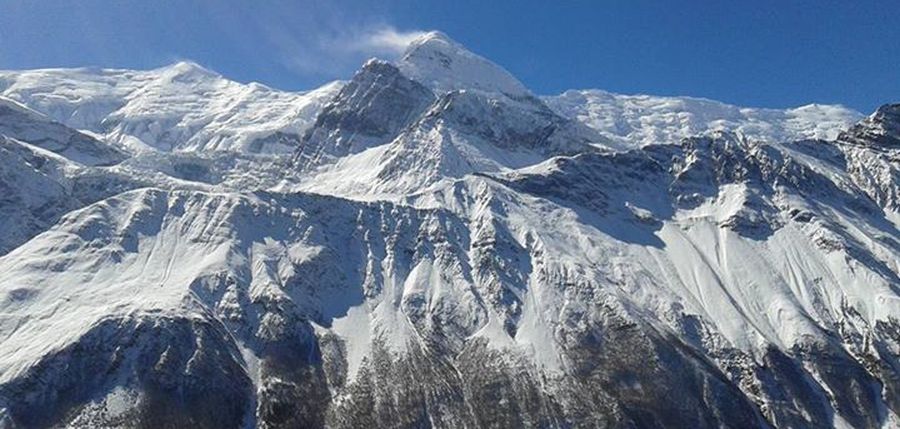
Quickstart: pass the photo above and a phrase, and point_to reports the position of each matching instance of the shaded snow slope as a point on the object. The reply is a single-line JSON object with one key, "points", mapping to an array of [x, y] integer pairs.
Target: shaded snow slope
{"points": [[21, 123]]}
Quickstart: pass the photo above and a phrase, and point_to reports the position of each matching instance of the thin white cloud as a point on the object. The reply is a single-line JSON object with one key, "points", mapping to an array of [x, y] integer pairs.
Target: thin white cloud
{"points": [[311, 37], [325, 52], [386, 40]]}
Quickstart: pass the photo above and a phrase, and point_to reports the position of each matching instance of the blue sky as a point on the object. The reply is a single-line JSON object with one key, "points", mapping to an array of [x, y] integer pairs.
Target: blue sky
{"points": [[761, 53]]}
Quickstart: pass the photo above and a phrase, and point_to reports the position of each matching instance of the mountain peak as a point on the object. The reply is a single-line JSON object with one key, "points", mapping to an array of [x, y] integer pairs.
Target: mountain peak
{"points": [[443, 65], [888, 113], [881, 128], [433, 35], [187, 70]]}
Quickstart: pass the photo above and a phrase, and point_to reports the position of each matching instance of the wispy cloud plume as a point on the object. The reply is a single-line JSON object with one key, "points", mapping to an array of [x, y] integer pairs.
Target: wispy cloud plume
{"points": [[328, 51], [312, 38], [385, 40]]}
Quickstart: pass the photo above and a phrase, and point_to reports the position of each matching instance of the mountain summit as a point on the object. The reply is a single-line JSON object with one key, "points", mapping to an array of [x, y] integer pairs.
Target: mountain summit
{"points": [[444, 65], [429, 244]]}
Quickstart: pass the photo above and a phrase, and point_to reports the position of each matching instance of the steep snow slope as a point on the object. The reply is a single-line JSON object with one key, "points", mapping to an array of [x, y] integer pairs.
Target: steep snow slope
{"points": [[48, 169], [38, 157], [31, 197], [284, 291], [645, 119], [182, 107], [38, 186], [541, 273], [449, 251], [130, 116]]}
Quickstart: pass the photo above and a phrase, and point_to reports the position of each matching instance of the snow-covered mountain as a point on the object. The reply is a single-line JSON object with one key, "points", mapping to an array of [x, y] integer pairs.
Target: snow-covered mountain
{"points": [[431, 245], [182, 107], [645, 119]]}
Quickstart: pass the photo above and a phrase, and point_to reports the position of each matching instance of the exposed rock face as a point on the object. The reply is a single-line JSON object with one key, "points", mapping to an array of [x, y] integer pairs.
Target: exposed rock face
{"points": [[882, 128], [872, 149], [370, 110], [444, 250], [141, 371]]}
